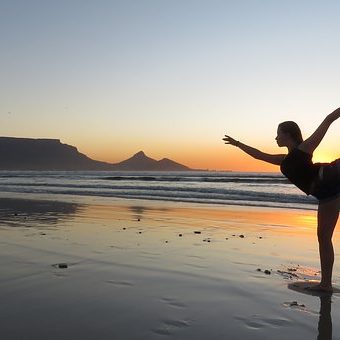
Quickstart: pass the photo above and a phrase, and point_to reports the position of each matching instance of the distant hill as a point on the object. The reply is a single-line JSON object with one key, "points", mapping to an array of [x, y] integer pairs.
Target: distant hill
{"points": [[51, 154], [141, 162], [44, 154]]}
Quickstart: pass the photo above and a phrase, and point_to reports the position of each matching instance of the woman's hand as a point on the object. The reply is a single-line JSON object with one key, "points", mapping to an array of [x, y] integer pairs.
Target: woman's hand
{"points": [[228, 140], [334, 115]]}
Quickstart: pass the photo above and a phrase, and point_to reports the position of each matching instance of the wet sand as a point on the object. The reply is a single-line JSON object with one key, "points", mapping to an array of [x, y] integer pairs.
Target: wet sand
{"points": [[80, 268]]}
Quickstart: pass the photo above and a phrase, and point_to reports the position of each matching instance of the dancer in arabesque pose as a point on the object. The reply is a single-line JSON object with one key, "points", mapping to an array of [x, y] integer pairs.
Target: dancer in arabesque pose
{"points": [[321, 180]]}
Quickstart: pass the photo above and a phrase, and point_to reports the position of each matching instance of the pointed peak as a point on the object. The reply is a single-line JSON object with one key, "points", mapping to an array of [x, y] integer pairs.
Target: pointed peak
{"points": [[140, 154], [141, 162]]}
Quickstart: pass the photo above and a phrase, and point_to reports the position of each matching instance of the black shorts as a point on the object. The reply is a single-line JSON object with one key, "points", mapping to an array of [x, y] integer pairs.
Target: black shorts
{"points": [[327, 185]]}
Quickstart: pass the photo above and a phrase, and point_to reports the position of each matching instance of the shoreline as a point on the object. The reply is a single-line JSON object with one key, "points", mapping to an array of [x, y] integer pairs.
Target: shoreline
{"points": [[145, 270], [238, 189], [89, 199]]}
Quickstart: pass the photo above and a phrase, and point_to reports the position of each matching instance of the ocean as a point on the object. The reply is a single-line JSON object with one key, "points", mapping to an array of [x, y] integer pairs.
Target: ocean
{"points": [[201, 187]]}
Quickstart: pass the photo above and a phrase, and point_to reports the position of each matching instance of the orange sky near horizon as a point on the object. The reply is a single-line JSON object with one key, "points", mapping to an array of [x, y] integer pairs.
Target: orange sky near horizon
{"points": [[212, 157]]}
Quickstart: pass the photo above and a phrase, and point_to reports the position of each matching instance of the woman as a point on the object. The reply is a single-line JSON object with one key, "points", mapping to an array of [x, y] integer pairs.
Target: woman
{"points": [[322, 180]]}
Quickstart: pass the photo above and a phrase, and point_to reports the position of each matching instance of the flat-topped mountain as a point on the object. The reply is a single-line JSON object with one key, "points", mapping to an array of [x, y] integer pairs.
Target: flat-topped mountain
{"points": [[51, 154], [44, 154]]}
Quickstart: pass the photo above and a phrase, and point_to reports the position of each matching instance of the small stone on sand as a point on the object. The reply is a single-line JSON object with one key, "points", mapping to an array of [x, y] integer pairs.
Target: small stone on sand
{"points": [[295, 304], [62, 265]]}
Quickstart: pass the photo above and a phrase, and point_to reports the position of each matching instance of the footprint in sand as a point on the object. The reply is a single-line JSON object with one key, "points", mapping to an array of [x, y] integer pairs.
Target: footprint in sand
{"points": [[168, 327]]}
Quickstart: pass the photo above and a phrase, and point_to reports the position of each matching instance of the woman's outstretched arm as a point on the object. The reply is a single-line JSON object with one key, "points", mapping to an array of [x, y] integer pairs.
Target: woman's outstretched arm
{"points": [[311, 143], [255, 153]]}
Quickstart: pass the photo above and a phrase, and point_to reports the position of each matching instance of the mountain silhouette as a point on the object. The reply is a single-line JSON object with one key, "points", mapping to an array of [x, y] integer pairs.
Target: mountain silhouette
{"points": [[51, 154], [44, 154], [141, 162]]}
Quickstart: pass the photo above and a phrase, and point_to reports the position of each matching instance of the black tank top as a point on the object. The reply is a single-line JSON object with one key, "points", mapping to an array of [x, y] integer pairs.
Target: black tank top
{"points": [[298, 167]]}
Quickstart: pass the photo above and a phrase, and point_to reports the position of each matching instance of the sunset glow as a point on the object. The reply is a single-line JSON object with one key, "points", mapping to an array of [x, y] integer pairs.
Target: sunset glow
{"points": [[170, 78]]}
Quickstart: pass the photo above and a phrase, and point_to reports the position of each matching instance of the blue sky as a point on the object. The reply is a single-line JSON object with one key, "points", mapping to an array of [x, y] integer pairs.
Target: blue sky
{"points": [[168, 77]]}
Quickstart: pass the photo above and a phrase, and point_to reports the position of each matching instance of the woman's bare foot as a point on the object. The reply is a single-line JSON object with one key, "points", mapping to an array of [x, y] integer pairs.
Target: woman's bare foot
{"points": [[320, 288]]}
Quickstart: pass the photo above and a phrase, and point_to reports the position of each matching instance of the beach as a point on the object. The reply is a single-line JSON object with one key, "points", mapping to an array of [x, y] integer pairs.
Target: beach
{"points": [[75, 267]]}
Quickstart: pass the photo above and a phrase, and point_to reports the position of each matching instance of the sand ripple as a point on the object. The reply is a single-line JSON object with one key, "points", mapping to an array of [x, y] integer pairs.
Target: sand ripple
{"points": [[258, 321]]}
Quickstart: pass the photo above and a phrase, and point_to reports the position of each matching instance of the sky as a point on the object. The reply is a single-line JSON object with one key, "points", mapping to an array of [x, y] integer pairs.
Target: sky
{"points": [[170, 77]]}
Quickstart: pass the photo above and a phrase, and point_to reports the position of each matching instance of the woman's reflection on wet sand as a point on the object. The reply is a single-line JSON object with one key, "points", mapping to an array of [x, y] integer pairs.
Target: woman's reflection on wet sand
{"points": [[325, 319], [325, 316]]}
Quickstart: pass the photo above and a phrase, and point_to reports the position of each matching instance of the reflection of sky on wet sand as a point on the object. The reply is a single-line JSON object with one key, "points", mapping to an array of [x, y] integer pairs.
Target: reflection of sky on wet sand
{"points": [[139, 210], [122, 249]]}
